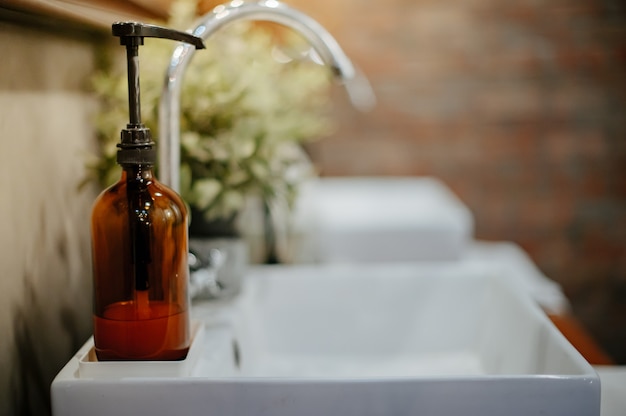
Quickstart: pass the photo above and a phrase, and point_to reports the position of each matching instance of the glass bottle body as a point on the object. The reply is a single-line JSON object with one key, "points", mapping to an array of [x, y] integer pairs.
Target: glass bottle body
{"points": [[139, 254]]}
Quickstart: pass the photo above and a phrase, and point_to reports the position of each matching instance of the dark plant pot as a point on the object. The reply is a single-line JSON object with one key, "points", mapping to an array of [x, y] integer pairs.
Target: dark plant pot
{"points": [[218, 228]]}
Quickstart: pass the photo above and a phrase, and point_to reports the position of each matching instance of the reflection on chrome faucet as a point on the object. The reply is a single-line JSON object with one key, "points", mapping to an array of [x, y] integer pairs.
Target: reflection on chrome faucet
{"points": [[325, 45], [203, 273]]}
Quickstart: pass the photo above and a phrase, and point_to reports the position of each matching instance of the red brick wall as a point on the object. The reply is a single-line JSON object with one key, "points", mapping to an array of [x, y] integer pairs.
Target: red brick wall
{"points": [[520, 107]]}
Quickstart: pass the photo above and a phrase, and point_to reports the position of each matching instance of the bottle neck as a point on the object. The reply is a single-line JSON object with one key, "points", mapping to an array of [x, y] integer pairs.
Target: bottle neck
{"points": [[138, 172]]}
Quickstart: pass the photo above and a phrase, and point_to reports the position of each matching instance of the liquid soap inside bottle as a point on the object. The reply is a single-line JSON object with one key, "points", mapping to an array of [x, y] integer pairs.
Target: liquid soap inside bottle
{"points": [[139, 244]]}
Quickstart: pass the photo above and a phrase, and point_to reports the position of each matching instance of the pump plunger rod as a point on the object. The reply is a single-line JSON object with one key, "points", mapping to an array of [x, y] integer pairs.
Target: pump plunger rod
{"points": [[134, 101]]}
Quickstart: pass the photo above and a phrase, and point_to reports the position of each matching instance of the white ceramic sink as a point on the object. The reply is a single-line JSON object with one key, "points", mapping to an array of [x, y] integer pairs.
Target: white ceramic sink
{"points": [[376, 339], [370, 219]]}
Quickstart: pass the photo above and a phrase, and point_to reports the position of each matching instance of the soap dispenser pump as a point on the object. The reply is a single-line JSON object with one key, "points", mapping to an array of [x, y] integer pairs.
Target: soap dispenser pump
{"points": [[139, 239]]}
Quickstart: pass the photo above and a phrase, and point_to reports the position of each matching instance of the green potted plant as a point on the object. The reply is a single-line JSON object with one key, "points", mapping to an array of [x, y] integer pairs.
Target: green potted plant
{"points": [[248, 103]]}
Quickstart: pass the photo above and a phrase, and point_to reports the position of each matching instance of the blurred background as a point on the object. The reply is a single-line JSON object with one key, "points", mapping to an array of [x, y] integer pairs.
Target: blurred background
{"points": [[518, 106]]}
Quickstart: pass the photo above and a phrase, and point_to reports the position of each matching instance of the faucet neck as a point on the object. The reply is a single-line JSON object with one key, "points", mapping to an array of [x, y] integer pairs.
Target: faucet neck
{"points": [[269, 10]]}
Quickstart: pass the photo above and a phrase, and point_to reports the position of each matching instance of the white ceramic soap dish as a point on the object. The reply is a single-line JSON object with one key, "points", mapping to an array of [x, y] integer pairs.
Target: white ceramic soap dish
{"points": [[90, 367]]}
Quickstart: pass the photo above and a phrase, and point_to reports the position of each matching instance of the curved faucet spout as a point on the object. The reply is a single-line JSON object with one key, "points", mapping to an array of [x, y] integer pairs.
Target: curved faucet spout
{"points": [[324, 44]]}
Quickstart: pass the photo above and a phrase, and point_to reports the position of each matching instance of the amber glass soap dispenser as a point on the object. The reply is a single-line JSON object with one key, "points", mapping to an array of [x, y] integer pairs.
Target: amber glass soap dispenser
{"points": [[139, 239]]}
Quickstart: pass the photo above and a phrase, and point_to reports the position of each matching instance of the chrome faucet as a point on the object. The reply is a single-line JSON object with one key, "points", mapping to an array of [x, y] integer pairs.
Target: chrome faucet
{"points": [[205, 278], [359, 90]]}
